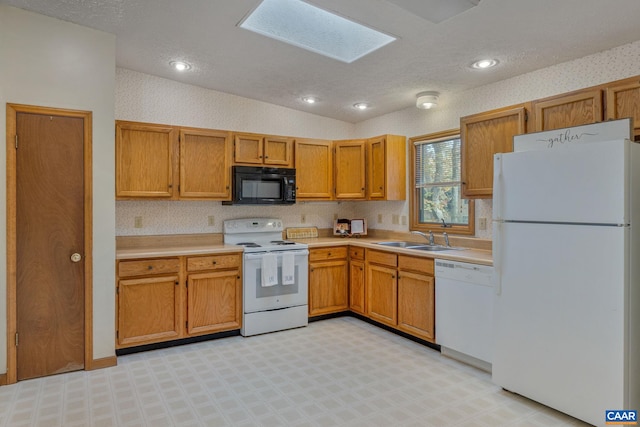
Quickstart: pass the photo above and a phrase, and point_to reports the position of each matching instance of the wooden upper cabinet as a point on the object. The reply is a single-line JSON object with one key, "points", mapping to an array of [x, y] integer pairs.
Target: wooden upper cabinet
{"points": [[574, 109], [350, 169], [205, 164], [314, 169], [484, 135], [145, 160], [623, 100], [253, 149], [386, 168]]}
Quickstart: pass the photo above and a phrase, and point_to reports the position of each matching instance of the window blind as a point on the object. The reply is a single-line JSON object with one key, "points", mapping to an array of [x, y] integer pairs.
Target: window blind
{"points": [[437, 163]]}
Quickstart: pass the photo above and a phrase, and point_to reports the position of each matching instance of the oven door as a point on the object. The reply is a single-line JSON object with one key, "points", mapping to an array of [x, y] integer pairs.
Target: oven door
{"points": [[260, 298]]}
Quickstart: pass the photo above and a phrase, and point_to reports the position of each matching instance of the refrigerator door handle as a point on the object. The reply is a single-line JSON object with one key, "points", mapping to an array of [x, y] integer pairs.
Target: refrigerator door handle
{"points": [[497, 187], [497, 256]]}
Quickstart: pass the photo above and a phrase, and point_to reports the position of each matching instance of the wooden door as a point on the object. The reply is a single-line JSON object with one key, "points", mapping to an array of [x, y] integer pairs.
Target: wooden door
{"points": [[145, 160], [484, 135], [578, 108], [50, 244], [205, 164], [148, 310], [376, 169], [416, 304], [314, 169], [328, 287], [248, 148], [356, 286], [350, 167], [277, 151], [623, 100], [382, 294], [214, 302]]}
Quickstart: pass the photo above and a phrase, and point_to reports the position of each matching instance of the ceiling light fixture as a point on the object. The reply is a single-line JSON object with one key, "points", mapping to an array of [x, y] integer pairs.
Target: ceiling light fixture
{"points": [[484, 63], [361, 106], [310, 99], [427, 100], [180, 65]]}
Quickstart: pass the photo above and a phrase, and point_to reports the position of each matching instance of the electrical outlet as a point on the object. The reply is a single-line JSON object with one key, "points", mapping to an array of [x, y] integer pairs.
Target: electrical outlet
{"points": [[482, 223], [211, 220], [379, 218], [137, 222], [395, 219], [303, 218], [403, 220]]}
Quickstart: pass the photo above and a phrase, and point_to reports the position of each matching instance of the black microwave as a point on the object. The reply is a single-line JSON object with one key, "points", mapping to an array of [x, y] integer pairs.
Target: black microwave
{"points": [[262, 186]]}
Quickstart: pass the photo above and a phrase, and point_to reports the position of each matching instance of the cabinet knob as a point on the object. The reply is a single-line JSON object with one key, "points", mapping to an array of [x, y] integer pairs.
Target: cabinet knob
{"points": [[215, 262], [266, 157], [329, 253], [150, 267]]}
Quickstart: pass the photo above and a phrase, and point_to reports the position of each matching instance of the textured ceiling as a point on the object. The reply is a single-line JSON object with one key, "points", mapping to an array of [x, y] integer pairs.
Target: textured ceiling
{"points": [[524, 35]]}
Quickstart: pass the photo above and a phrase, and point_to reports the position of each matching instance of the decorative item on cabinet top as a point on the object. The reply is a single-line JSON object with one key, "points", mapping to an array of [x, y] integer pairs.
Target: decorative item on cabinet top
{"points": [[350, 227]]}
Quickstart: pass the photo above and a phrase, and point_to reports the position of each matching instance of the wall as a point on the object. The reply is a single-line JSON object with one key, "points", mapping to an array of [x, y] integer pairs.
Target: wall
{"points": [[614, 64], [141, 97], [48, 62], [146, 98]]}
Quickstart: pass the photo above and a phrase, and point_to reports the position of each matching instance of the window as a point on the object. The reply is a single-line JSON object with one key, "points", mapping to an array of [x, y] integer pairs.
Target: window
{"points": [[436, 186]]}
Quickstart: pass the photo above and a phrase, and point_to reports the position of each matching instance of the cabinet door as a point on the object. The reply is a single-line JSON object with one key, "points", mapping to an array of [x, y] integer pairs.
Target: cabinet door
{"points": [[382, 294], [328, 287], [314, 169], [350, 169], [148, 310], [575, 109], [248, 148], [205, 164], [145, 160], [356, 286], [416, 304], [484, 135], [623, 100], [277, 151], [376, 169], [214, 302]]}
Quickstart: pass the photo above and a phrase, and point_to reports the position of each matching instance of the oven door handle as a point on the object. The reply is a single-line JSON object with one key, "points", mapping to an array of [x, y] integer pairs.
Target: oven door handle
{"points": [[258, 255]]}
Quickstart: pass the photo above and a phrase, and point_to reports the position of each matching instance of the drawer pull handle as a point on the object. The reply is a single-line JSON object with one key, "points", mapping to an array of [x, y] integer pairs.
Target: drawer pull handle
{"points": [[150, 267]]}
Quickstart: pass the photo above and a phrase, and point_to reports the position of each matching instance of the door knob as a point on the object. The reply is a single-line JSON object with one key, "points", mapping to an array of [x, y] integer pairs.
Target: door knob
{"points": [[76, 257]]}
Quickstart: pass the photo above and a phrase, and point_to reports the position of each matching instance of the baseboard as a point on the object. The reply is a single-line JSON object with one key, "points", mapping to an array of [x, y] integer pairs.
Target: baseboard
{"points": [[173, 343], [3, 379], [105, 362]]}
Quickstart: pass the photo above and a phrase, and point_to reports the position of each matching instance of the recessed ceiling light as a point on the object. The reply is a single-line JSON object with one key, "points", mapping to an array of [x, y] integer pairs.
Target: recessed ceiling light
{"points": [[310, 99], [485, 63], [361, 106], [180, 65], [309, 27]]}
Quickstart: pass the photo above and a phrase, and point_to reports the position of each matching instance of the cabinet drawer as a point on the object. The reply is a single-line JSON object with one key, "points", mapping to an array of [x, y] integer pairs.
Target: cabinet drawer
{"points": [[148, 267], [323, 254], [384, 258], [422, 265], [356, 253], [213, 262]]}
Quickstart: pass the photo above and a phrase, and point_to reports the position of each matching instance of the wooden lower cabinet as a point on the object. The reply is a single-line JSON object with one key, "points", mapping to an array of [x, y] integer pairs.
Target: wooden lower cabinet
{"points": [[416, 297], [214, 302], [382, 287], [328, 280], [148, 310], [357, 280], [163, 299]]}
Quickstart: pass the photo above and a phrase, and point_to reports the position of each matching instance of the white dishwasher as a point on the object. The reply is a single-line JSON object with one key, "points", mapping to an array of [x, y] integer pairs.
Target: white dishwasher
{"points": [[464, 311]]}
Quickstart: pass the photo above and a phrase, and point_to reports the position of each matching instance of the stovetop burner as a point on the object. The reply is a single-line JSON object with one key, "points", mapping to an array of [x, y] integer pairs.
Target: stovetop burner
{"points": [[249, 244]]}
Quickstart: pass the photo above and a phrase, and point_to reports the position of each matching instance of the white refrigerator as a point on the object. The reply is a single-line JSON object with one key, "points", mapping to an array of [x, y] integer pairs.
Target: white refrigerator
{"points": [[566, 224]]}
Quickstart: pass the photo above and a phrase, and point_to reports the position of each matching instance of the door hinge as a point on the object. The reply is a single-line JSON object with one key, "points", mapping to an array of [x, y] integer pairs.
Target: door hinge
{"points": [[186, 283], [186, 324], [177, 283], [16, 339], [117, 290], [117, 334], [526, 116], [16, 141]]}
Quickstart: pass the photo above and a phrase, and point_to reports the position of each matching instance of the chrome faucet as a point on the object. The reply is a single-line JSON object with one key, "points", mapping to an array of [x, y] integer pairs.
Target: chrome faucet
{"points": [[428, 237], [446, 239]]}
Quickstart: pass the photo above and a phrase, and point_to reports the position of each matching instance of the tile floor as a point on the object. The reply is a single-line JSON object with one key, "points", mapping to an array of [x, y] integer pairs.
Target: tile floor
{"points": [[337, 372]]}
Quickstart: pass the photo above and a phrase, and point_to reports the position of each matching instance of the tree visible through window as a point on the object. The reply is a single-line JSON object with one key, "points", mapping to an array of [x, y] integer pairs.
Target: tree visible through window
{"points": [[437, 186]]}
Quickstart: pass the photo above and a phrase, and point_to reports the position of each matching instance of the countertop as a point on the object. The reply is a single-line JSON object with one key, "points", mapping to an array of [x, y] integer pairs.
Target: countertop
{"points": [[133, 247]]}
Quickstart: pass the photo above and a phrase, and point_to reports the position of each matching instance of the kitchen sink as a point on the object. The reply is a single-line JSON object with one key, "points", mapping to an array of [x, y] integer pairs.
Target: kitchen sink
{"points": [[419, 246]]}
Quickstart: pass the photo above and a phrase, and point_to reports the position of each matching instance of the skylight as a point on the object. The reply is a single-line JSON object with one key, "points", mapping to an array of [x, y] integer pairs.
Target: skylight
{"points": [[311, 28]]}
